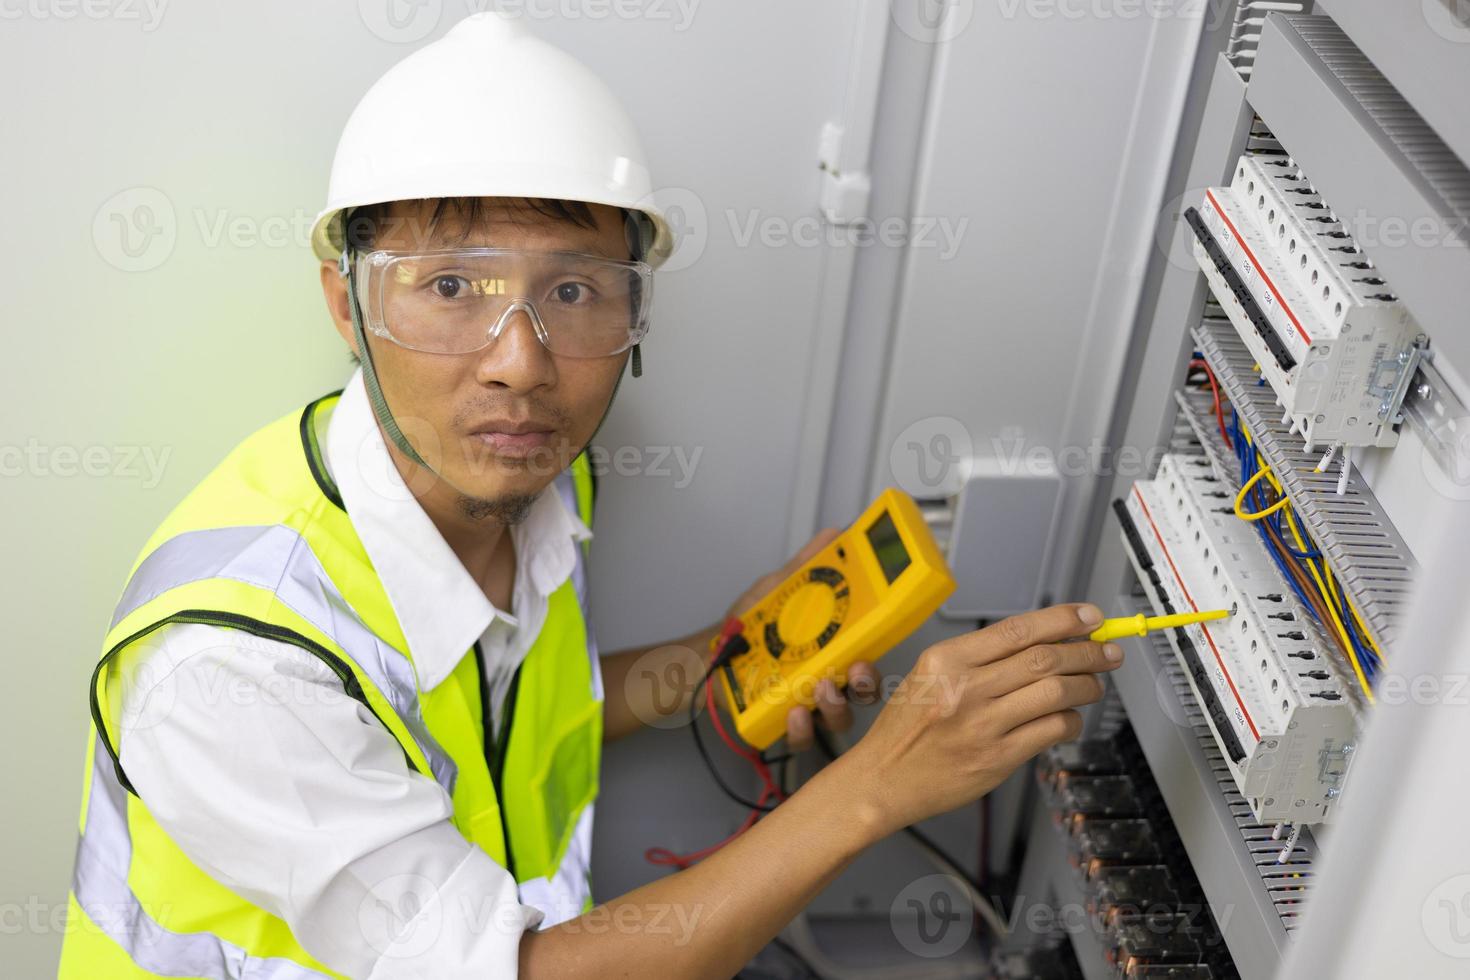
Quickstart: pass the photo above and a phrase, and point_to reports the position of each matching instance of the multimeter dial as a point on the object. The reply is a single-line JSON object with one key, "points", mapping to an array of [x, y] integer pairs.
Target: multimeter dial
{"points": [[854, 599], [806, 613]]}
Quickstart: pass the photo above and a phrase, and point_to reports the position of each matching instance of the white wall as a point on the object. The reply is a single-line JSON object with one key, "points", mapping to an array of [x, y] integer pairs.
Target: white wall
{"points": [[230, 112], [225, 116]]}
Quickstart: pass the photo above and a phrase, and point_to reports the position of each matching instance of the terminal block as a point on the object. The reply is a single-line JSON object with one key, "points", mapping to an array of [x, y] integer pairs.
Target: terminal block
{"points": [[1129, 890], [1152, 940], [1092, 757], [1101, 843], [1336, 345], [1276, 701], [1143, 971], [1079, 797], [1053, 960]]}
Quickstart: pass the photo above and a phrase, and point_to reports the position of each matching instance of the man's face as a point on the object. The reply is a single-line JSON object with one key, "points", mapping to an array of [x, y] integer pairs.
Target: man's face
{"points": [[497, 424]]}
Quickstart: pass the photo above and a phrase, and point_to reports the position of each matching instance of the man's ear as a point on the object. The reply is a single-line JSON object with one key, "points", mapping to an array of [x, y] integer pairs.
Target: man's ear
{"points": [[334, 289]]}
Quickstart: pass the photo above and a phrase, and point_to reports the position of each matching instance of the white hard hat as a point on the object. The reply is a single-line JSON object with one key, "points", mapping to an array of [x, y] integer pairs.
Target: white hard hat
{"points": [[489, 110]]}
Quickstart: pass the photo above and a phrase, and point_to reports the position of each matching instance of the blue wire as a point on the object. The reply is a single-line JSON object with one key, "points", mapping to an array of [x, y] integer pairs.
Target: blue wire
{"points": [[1245, 454], [1366, 657]]}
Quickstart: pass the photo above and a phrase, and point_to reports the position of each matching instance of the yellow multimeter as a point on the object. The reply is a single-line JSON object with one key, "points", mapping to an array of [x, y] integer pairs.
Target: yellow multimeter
{"points": [[855, 599]]}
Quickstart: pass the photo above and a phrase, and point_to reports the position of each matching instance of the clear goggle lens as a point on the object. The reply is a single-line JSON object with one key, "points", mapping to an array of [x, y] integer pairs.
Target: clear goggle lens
{"points": [[458, 301]]}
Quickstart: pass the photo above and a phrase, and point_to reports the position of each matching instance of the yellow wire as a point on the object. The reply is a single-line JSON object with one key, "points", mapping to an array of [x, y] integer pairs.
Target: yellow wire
{"points": [[1301, 544], [1362, 630], [1257, 515], [1331, 608]]}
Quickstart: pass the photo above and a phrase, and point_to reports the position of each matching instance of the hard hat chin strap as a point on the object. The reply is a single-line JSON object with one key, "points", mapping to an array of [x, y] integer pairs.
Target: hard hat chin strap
{"points": [[370, 375]]}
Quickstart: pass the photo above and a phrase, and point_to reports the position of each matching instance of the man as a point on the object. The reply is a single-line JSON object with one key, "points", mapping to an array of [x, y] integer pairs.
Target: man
{"points": [[349, 715]]}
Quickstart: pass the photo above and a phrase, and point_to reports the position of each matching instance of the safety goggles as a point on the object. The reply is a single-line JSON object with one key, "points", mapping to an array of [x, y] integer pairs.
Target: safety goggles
{"points": [[457, 301]]}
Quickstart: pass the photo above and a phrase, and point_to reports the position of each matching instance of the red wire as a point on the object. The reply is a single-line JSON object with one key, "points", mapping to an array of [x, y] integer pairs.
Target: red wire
{"points": [[665, 857], [745, 753], [1215, 388]]}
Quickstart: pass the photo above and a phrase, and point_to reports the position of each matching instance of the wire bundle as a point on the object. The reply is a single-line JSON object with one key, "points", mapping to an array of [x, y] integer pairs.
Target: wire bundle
{"points": [[729, 645], [1264, 503]]}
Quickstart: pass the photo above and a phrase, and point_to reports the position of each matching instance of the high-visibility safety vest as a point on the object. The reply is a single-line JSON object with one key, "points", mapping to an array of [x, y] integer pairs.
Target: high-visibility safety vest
{"points": [[264, 545]]}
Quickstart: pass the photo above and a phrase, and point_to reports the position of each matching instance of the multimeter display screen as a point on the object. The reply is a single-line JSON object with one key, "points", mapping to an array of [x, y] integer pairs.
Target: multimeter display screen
{"points": [[893, 557]]}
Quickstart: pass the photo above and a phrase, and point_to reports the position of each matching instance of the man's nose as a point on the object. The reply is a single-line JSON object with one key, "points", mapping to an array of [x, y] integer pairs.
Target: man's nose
{"points": [[516, 359]]}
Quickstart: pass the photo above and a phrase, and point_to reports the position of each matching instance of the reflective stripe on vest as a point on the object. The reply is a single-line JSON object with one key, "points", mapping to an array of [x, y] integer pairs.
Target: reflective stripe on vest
{"points": [[568, 490], [278, 559], [264, 545], [565, 894], [100, 884]]}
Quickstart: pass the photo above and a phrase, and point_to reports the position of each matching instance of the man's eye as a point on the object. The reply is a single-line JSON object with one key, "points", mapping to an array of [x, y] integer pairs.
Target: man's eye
{"points": [[448, 287], [573, 292]]}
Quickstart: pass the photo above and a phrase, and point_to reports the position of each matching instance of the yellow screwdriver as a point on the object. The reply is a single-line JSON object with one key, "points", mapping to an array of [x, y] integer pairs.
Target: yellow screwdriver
{"points": [[1141, 625]]}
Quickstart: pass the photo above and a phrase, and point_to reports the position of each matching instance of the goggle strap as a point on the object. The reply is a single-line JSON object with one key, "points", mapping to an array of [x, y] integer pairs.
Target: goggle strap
{"points": [[637, 360], [370, 377]]}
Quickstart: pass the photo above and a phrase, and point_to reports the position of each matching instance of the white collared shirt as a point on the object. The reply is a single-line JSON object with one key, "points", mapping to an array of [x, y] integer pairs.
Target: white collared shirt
{"points": [[280, 786]]}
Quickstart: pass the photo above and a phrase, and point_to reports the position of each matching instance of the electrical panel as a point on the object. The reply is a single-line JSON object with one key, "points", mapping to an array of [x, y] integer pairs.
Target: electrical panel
{"points": [[1141, 898], [1278, 704], [1294, 378], [1330, 336]]}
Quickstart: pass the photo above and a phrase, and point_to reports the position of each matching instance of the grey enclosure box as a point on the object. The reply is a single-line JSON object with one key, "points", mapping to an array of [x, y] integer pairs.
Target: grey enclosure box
{"points": [[1001, 545]]}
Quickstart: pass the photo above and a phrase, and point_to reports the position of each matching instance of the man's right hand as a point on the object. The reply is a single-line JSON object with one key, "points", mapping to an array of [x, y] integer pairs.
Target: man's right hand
{"points": [[976, 707], [972, 710]]}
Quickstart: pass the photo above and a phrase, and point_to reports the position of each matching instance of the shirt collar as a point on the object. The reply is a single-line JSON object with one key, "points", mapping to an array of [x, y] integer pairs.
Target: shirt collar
{"points": [[440, 607]]}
